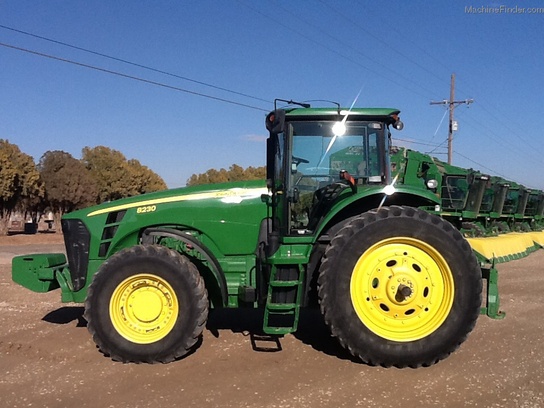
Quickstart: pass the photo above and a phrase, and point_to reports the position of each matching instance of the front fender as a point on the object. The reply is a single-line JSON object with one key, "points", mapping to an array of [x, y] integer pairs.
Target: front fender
{"points": [[204, 254]]}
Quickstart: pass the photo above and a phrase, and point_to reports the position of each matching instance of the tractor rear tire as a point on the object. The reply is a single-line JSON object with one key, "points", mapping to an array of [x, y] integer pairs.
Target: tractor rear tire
{"points": [[146, 304], [400, 287]]}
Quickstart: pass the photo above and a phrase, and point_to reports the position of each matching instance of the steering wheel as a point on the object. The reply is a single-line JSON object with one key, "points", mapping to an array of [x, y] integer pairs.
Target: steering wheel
{"points": [[298, 160]]}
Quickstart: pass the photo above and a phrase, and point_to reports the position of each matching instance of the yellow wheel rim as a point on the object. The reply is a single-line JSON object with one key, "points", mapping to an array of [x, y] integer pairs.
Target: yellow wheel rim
{"points": [[144, 308], [402, 289]]}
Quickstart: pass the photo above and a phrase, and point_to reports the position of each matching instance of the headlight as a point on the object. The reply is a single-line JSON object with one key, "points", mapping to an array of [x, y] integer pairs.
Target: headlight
{"points": [[432, 184]]}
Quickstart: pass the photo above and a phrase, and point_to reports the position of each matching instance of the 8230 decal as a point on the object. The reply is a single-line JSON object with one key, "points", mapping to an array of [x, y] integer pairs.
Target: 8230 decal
{"points": [[146, 209]]}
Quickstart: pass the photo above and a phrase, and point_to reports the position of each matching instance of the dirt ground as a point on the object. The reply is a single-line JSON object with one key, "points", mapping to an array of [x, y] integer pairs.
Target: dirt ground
{"points": [[48, 359]]}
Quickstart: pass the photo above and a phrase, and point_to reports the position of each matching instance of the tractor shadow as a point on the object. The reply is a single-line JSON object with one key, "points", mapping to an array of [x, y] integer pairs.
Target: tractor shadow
{"points": [[311, 331], [65, 315]]}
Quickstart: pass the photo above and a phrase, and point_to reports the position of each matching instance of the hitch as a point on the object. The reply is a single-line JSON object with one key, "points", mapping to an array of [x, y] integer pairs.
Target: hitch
{"points": [[492, 304]]}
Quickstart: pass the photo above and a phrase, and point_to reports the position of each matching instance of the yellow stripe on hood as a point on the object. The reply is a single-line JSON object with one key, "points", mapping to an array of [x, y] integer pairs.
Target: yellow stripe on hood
{"points": [[233, 196]]}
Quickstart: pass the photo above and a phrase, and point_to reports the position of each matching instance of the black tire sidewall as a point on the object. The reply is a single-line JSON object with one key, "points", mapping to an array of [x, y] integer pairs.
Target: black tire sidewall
{"points": [[357, 237], [172, 268]]}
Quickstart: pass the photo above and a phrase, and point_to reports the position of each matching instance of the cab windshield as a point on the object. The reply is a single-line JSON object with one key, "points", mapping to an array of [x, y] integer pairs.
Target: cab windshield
{"points": [[318, 156]]}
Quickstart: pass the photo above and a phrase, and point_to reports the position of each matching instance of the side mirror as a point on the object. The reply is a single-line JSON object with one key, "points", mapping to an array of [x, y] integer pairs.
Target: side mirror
{"points": [[275, 121]]}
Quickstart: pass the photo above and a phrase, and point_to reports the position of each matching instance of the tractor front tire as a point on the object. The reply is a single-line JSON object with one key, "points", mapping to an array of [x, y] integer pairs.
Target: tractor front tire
{"points": [[400, 287], [146, 304]]}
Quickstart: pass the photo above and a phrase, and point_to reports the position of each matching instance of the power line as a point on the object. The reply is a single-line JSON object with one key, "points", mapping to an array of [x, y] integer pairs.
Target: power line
{"points": [[456, 152], [440, 124], [452, 103], [506, 143], [389, 46], [499, 119], [436, 147], [418, 143], [345, 45], [481, 165], [424, 51], [120, 74], [406, 39], [332, 50], [132, 63], [491, 113]]}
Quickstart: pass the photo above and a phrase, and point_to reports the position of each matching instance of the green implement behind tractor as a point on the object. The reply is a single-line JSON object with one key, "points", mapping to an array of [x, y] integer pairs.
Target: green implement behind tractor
{"points": [[396, 281]]}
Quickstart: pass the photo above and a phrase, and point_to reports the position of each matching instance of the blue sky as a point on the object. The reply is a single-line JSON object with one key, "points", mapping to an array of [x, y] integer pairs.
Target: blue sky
{"points": [[398, 54]]}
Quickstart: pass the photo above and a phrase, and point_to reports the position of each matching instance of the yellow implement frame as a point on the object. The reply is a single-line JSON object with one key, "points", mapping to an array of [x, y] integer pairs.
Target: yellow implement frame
{"points": [[499, 249]]}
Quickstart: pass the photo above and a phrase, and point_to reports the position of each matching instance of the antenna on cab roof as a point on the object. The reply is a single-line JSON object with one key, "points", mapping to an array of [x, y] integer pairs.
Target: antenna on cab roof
{"points": [[291, 102]]}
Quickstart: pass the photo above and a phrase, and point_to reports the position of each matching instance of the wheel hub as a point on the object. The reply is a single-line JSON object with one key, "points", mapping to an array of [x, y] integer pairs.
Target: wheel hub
{"points": [[402, 289], [144, 308], [400, 286], [146, 305], [403, 292]]}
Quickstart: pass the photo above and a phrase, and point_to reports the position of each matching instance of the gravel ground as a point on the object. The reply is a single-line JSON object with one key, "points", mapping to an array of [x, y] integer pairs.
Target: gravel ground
{"points": [[48, 359]]}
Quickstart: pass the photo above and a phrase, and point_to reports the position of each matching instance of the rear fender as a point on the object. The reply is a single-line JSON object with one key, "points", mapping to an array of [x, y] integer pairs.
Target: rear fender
{"points": [[344, 211], [357, 204]]}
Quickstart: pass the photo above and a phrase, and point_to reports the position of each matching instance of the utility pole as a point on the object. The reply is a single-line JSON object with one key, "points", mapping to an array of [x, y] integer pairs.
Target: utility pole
{"points": [[452, 103]]}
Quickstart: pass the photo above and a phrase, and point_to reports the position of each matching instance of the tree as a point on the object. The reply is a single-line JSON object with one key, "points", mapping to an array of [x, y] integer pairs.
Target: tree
{"points": [[234, 173], [143, 179], [68, 184], [116, 177], [20, 186], [109, 170], [256, 173]]}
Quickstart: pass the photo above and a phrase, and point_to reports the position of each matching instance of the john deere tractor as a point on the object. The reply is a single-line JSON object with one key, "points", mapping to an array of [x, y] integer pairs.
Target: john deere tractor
{"points": [[396, 284]]}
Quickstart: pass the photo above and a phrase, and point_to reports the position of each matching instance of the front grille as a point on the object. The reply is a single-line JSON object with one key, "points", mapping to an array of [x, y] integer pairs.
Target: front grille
{"points": [[77, 241]]}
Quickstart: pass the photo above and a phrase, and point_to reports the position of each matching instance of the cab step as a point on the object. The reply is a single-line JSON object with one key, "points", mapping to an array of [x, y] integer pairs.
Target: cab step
{"points": [[282, 307]]}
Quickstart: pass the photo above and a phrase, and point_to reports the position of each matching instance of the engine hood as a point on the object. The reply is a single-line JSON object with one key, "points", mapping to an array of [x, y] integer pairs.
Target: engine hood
{"points": [[226, 193]]}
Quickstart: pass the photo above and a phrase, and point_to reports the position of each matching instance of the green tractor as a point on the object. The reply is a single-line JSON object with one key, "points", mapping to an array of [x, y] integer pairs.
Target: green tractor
{"points": [[535, 210], [514, 207], [493, 204], [461, 191], [397, 285]]}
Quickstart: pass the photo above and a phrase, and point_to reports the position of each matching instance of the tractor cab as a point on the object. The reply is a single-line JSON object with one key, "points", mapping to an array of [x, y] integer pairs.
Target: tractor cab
{"points": [[316, 157]]}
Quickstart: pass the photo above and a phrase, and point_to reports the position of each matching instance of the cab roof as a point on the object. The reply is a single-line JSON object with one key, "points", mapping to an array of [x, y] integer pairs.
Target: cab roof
{"points": [[335, 113]]}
